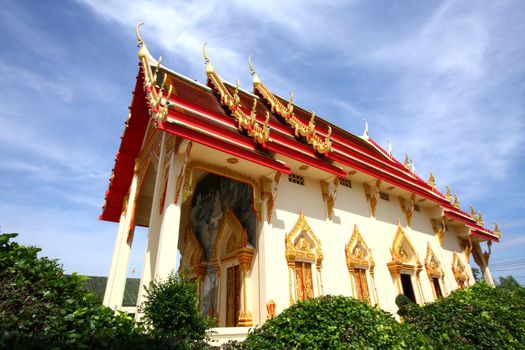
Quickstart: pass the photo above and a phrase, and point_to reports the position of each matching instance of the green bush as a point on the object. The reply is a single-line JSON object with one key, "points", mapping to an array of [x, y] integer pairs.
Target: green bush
{"points": [[170, 311], [480, 317], [41, 307], [332, 322]]}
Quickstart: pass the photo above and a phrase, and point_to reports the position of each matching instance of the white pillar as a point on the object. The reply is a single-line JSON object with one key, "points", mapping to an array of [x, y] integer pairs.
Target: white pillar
{"points": [[118, 272], [150, 254], [169, 230]]}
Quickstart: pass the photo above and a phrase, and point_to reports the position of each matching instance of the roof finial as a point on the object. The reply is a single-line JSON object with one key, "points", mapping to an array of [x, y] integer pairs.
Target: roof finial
{"points": [[137, 32], [407, 162], [365, 134], [256, 80], [209, 68], [431, 180], [496, 230], [472, 212], [413, 166], [143, 51], [448, 194], [456, 202], [389, 147]]}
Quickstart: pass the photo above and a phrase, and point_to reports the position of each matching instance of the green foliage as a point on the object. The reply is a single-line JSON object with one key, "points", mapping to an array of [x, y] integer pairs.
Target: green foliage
{"points": [[40, 306], [480, 317], [403, 302], [170, 310], [509, 283], [332, 322]]}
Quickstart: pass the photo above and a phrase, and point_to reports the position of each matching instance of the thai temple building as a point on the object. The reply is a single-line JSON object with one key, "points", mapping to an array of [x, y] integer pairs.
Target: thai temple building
{"points": [[269, 204]]}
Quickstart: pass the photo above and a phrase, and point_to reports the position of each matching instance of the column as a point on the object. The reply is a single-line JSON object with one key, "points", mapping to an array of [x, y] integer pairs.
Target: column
{"points": [[245, 316], [166, 257], [153, 232], [119, 263]]}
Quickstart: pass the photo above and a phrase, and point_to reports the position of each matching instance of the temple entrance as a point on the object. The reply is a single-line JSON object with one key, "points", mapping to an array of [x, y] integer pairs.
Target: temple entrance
{"points": [[303, 281], [233, 296], [408, 290]]}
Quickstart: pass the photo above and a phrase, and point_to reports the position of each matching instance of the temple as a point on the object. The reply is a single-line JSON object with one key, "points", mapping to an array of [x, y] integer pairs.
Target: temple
{"points": [[268, 204]]}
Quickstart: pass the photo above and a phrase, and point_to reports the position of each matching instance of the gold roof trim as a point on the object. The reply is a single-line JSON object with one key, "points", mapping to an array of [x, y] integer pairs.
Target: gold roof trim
{"points": [[321, 145], [259, 131]]}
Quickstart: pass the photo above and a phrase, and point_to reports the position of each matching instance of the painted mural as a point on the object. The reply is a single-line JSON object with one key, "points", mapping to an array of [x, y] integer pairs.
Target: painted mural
{"points": [[213, 194]]}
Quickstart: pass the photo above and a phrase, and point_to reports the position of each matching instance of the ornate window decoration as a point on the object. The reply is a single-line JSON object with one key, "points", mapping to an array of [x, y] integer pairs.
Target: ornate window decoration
{"points": [[359, 261], [405, 260], [459, 271], [231, 248], [434, 272], [302, 250]]}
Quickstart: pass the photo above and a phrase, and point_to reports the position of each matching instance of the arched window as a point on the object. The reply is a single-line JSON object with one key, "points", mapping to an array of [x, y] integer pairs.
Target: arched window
{"points": [[303, 251], [434, 272], [360, 265]]}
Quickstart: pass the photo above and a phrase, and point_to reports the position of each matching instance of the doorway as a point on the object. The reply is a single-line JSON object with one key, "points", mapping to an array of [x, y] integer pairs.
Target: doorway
{"points": [[233, 295], [408, 290]]}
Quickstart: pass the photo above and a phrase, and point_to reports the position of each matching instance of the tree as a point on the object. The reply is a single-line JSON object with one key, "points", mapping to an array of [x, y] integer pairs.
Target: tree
{"points": [[509, 283], [170, 310], [41, 307]]}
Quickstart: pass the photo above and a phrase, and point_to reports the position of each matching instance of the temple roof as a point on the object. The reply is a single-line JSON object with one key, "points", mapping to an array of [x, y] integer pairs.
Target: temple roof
{"points": [[255, 126]]}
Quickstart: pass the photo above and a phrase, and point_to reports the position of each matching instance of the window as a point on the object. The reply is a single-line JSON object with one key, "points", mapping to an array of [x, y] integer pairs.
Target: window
{"points": [[296, 179], [408, 290], [303, 281], [361, 285], [384, 196], [345, 183]]}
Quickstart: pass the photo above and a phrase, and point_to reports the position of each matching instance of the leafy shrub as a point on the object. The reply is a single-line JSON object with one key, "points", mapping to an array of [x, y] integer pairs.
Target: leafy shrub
{"points": [[41, 307], [332, 322], [480, 317], [170, 311]]}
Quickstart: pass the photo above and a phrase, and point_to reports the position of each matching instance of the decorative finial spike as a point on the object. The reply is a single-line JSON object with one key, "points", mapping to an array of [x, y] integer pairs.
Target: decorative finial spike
{"points": [[256, 80], [431, 180], [448, 194], [472, 212], [413, 166], [407, 162], [456, 202], [365, 133], [389, 147]]}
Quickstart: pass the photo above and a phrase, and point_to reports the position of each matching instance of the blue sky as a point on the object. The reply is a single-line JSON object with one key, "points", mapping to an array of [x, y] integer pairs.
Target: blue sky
{"points": [[444, 81]]}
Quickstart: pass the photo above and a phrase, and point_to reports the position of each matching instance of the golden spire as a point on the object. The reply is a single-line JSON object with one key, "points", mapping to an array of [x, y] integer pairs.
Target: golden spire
{"points": [[413, 167], [431, 180], [256, 80], [496, 230], [456, 202], [472, 212], [479, 219], [448, 194], [407, 162], [209, 67]]}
